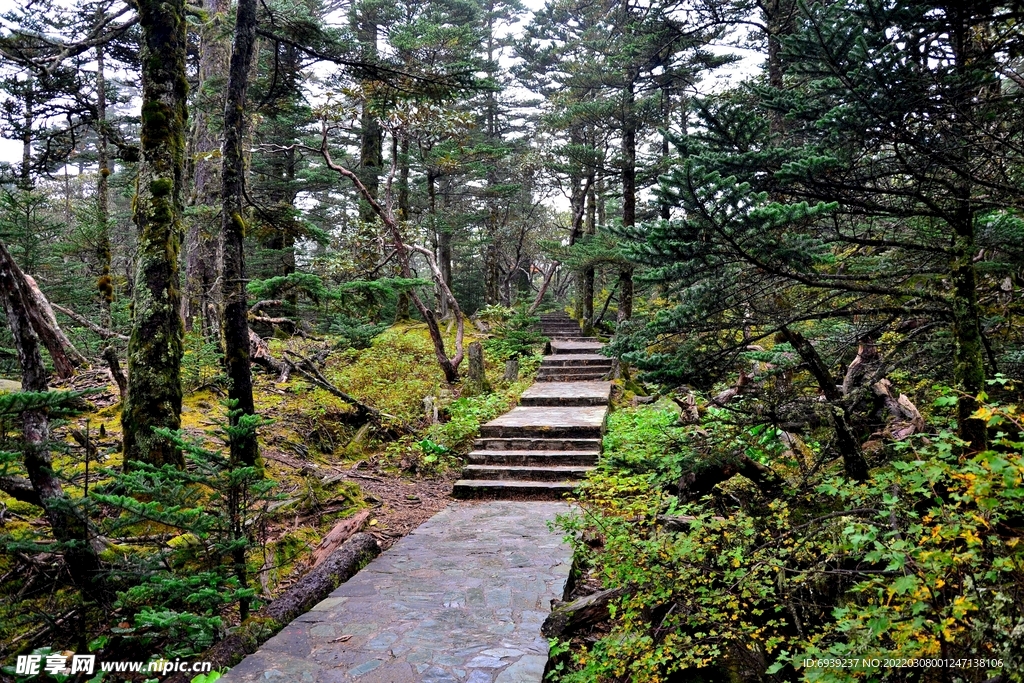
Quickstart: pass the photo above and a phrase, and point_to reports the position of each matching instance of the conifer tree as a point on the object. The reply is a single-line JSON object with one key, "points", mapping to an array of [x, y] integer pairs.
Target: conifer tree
{"points": [[887, 200]]}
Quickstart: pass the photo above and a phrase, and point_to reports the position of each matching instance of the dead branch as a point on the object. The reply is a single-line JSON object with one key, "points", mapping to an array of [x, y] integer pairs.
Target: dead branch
{"points": [[114, 365], [338, 535], [543, 288], [264, 304], [259, 353], [103, 332], [308, 369], [449, 366]]}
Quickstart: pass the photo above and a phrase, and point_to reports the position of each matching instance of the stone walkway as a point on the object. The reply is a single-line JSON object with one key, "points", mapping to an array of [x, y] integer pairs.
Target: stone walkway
{"points": [[546, 445], [459, 600], [462, 598]]}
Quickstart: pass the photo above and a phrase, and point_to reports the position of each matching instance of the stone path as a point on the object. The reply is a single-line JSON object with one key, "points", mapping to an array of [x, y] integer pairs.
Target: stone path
{"points": [[542, 448], [459, 600]]}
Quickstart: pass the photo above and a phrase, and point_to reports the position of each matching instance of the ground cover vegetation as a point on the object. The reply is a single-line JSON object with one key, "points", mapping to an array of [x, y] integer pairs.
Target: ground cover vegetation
{"points": [[248, 251]]}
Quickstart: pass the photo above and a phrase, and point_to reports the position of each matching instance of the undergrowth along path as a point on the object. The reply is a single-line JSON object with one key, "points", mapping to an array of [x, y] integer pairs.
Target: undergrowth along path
{"points": [[459, 600], [462, 598]]}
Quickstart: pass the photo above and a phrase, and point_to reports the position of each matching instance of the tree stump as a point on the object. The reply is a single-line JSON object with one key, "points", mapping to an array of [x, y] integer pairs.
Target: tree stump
{"points": [[476, 381], [511, 369]]}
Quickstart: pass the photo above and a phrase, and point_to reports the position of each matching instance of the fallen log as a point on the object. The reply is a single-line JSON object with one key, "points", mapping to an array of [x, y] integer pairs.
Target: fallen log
{"points": [[259, 354], [341, 566], [697, 483], [21, 489], [338, 535], [572, 616]]}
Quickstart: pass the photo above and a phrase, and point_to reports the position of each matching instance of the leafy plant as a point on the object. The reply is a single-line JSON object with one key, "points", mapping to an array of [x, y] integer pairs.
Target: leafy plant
{"points": [[922, 561], [515, 335]]}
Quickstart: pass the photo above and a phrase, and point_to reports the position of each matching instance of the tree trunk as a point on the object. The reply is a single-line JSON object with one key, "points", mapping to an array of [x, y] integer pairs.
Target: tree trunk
{"points": [[625, 294], [444, 262], [25, 175], [155, 348], [628, 199], [402, 304], [204, 167], [105, 284], [235, 315], [846, 442], [68, 526], [588, 275], [371, 136], [39, 314], [968, 349]]}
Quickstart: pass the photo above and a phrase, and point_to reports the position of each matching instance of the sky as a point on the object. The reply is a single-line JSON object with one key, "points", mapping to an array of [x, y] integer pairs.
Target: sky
{"points": [[11, 150]]}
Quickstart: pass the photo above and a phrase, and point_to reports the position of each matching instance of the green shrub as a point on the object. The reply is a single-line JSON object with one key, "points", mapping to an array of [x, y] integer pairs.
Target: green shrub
{"points": [[923, 561]]}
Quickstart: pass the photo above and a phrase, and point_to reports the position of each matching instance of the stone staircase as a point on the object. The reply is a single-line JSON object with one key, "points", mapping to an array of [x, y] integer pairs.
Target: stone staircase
{"points": [[543, 447]]}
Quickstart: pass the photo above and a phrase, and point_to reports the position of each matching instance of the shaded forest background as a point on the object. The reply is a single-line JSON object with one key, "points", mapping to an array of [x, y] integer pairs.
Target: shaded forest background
{"points": [[250, 250]]}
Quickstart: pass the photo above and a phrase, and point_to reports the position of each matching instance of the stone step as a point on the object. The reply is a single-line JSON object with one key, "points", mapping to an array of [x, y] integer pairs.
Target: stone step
{"points": [[525, 457], [526, 472], [573, 375], [571, 346], [584, 377], [533, 444], [580, 372], [542, 422], [541, 432], [567, 394], [509, 488], [575, 359]]}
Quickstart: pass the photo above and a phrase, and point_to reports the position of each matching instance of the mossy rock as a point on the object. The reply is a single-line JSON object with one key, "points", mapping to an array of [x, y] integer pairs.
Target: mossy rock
{"points": [[9, 385]]}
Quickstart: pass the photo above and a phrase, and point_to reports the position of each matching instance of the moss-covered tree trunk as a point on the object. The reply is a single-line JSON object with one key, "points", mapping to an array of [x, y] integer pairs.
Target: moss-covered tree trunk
{"points": [[154, 351], [235, 316], [104, 284], [234, 319], [67, 525], [203, 172]]}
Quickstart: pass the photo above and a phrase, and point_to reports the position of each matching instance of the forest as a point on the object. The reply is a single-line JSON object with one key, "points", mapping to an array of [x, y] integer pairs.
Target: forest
{"points": [[252, 254]]}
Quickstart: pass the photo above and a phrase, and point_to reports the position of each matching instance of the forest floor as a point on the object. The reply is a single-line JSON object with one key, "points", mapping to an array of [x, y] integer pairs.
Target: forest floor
{"points": [[327, 466]]}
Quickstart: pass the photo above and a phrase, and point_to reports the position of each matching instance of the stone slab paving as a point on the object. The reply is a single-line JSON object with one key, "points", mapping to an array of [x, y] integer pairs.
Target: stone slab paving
{"points": [[459, 600], [563, 347], [589, 393], [550, 418]]}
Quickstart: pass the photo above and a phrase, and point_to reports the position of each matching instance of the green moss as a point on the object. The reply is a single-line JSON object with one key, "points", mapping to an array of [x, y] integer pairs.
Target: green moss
{"points": [[161, 187]]}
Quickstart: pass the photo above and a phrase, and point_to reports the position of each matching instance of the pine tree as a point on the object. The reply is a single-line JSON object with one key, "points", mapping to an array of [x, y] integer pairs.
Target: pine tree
{"points": [[877, 207]]}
